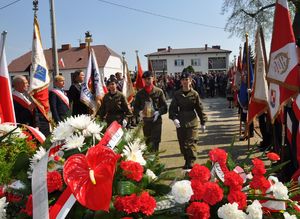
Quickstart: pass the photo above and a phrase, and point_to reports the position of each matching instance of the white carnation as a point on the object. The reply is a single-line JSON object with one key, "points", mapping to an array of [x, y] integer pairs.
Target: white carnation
{"points": [[151, 175], [3, 205], [288, 216], [74, 141], [230, 211], [182, 191], [254, 210], [279, 190]]}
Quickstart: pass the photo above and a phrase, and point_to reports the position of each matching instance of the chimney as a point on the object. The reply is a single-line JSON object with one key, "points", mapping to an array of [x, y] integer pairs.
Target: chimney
{"points": [[169, 48], [205, 46], [65, 46], [82, 45]]}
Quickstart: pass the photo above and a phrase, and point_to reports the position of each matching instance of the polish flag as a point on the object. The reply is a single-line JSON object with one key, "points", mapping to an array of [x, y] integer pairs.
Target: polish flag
{"points": [[259, 98], [61, 62], [7, 112], [127, 89], [296, 107], [39, 75], [139, 83]]}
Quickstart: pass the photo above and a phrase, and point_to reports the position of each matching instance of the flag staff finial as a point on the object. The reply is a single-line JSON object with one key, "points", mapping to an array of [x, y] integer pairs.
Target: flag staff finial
{"points": [[35, 6]]}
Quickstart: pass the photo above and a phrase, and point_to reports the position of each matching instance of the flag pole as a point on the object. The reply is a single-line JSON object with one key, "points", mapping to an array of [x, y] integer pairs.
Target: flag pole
{"points": [[4, 33], [248, 85], [240, 114], [123, 61], [53, 37]]}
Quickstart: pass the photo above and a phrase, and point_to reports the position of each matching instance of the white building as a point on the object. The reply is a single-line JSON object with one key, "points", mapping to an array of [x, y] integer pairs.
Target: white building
{"points": [[74, 58], [205, 59]]}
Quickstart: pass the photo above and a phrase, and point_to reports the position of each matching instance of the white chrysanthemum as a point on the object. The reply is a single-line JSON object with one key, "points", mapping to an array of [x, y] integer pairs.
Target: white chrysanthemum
{"points": [[254, 210], [182, 191], [129, 135], [62, 131], [134, 152], [6, 128], [74, 141], [230, 211], [151, 175], [288, 216], [3, 205], [93, 130], [80, 122], [41, 152]]}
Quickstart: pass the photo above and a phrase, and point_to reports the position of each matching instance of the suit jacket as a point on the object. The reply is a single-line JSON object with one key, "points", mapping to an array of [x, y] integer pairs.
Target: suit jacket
{"points": [[78, 107], [59, 109], [23, 115]]}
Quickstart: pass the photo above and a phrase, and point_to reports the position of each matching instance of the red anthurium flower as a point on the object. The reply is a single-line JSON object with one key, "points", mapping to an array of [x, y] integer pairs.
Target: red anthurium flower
{"points": [[273, 156], [90, 177]]}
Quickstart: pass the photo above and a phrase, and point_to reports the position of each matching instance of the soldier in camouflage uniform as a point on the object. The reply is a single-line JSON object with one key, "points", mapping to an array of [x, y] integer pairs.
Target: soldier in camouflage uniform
{"points": [[150, 104], [114, 106], [184, 108]]}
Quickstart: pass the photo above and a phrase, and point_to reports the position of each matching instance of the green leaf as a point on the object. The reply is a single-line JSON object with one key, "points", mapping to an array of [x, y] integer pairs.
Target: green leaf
{"points": [[126, 188], [276, 168], [21, 163]]}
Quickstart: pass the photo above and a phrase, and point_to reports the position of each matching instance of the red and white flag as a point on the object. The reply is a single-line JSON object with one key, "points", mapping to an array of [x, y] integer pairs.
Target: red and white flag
{"points": [[139, 83], [93, 88], [296, 107], [39, 75], [127, 89], [259, 98], [61, 62], [283, 72], [7, 113], [283, 60]]}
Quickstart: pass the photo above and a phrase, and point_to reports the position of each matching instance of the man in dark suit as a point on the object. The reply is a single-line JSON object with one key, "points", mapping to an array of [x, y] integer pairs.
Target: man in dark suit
{"points": [[24, 108], [59, 102]]}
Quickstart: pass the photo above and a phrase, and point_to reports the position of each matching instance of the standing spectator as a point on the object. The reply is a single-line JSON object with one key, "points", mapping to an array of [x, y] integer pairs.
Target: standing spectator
{"points": [[184, 108], [150, 104], [59, 102], [120, 81], [24, 108], [114, 106], [78, 108]]}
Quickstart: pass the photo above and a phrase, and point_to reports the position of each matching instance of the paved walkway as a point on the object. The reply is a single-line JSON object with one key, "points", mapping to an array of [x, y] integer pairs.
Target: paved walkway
{"points": [[221, 128]]}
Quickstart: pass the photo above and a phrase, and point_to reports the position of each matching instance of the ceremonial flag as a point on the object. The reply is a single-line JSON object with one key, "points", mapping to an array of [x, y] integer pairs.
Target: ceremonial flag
{"points": [[7, 112], [39, 75], [259, 98], [139, 83], [61, 62], [296, 107], [283, 67], [127, 89], [93, 88]]}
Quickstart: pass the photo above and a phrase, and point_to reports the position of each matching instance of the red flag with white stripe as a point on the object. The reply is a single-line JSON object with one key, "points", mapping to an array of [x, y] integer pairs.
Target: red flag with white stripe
{"points": [[139, 83], [283, 67], [296, 107], [39, 75], [6, 102], [259, 98]]}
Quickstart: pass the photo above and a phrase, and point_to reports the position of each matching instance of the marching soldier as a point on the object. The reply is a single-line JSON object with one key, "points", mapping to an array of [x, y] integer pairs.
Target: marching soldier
{"points": [[114, 106], [184, 108], [150, 104]]}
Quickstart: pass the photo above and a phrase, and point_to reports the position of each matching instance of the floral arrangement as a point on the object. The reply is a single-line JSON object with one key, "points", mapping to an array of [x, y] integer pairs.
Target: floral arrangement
{"points": [[109, 173]]}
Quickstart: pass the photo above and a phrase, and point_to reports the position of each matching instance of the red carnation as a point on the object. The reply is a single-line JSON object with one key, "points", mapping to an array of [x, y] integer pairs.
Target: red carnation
{"points": [[28, 209], [212, 193], [259, 167], [200, 172], [218, 155], [147, 204], [198, 189], [13, 198], [198, 210], [132, 170], [54, 181], [273, 156], [261, 183], [239, 197], [233, 180], [129, 204]]}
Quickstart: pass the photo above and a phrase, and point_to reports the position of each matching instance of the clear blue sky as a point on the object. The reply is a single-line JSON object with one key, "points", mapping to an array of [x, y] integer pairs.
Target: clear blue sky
{"points": [[119, 28]]}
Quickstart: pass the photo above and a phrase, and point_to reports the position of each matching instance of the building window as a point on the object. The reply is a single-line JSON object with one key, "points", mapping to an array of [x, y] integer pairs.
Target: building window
{"points": [[217, 63], [159, 65], [195, 62], [179, 62]]}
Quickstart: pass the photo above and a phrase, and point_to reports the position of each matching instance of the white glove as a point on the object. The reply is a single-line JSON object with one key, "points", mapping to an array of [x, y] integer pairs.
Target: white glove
{"points": [[155, 116], [203, 128], [124, 123], [176, 123]]}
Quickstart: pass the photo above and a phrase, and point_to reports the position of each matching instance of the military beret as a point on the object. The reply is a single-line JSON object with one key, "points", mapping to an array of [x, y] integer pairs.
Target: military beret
{"points": [[147, 74], [111, 80], [185, 74]]}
